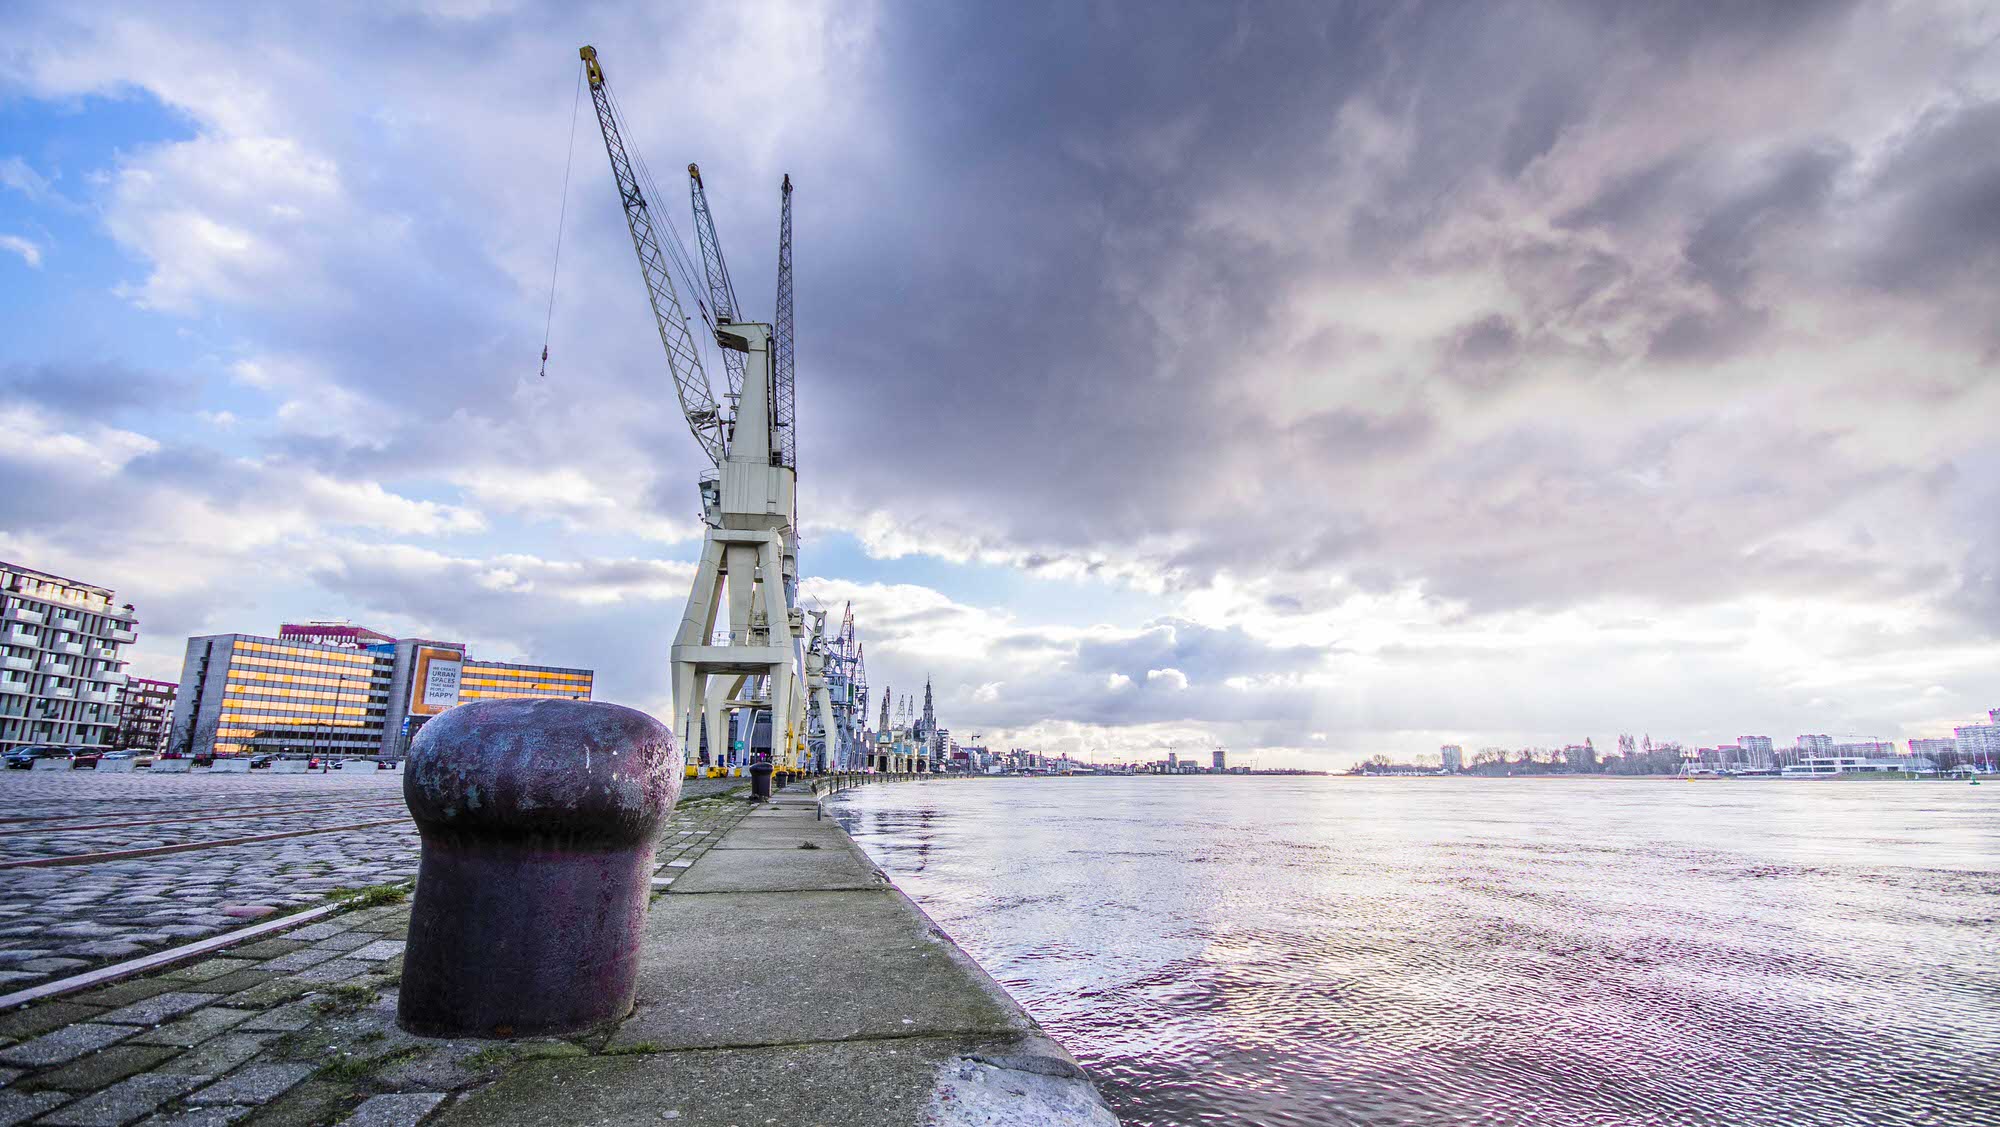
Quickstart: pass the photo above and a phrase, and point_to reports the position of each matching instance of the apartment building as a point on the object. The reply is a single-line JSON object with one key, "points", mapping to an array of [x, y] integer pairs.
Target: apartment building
{"points": [[61, 673]]}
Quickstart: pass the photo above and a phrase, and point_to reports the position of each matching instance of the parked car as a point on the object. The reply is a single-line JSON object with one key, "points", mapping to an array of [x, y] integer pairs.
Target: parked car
{"points": [[84, 759], [119, 755], [22, 758], [259, 762]]}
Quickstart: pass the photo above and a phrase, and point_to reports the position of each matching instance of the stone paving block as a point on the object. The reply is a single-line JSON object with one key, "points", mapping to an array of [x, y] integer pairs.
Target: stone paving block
{"points": [[208, 969], [271, 993], [403, 1109], [284, 1019], [195, 1028], [9, 1075], [198, 1117], [124, 1101], [299, 960], [159, 1008], [106, 949], [314, 1103], [339, 970], [37, 1020], [379, 949], [66, 1044], [218, 1055], [19, 1107], [124, 993], [317, 931], [346, 941], [102, 1069], [255, 1084], [237, 980], [51, 964], [269, 948], [18, 977]]}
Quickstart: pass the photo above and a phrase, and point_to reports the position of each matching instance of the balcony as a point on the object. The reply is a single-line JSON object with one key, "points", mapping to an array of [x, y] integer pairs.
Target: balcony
{"points": [[109, 677], [22, 636], [125, 636], [23, 614], [64, 622], [75, 648], [13, 687], [60, 691], [126, 614], [22, 663], [53, 664]]}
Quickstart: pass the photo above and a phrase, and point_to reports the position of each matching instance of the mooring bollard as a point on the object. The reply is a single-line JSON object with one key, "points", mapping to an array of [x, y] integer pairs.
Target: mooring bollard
{"points": [[760, 782], [537, 819]]}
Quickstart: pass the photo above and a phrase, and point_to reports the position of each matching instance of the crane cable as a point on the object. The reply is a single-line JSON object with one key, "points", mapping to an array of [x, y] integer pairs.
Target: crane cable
{"points": [[561, 217]]}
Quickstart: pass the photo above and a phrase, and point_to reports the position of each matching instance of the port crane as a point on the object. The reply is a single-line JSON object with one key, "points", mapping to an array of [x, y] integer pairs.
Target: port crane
{"points": [[749, 557]]}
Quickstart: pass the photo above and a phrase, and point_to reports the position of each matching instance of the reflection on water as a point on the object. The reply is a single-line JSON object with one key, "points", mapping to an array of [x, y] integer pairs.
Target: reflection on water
{"points": [[1335, 951]]}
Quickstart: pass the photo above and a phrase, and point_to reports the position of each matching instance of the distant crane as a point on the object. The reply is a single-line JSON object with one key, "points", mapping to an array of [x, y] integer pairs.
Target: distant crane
{"points": [[750, 543]]}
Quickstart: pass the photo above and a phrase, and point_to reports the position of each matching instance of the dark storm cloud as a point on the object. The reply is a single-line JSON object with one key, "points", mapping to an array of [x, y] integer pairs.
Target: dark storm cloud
{"points": [[1941, 188], [1129, 219]]}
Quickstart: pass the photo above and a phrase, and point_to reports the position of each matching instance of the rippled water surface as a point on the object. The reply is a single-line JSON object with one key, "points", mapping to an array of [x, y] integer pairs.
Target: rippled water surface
{"points": [[1336, 951]]}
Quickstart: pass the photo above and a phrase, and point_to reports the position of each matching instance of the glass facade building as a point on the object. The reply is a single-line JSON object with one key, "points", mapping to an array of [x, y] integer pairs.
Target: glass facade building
{"points": [[246, 694]]}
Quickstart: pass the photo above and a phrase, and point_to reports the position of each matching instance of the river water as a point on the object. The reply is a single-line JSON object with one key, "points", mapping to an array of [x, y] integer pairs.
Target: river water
{"points": [[1480, 951]]}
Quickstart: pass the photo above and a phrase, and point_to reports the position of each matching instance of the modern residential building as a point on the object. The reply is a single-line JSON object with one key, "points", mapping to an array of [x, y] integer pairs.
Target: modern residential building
{"points": [[1979, 744], [1815, 745], [1221, 758], [1452, 756], [146, 715], [348, 695], [61, 676]]}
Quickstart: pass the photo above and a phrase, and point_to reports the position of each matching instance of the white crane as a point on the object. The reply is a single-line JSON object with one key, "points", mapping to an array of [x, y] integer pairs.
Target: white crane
{"points": [[750, 544]]}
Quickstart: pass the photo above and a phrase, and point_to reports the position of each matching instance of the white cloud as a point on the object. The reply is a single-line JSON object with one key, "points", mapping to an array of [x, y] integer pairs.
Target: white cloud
{"points": [[1172, 679], [29, 252]]}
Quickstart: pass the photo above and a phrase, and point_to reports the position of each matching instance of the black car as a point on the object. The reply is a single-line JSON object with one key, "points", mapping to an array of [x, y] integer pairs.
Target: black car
{"points": [[22, 758]]}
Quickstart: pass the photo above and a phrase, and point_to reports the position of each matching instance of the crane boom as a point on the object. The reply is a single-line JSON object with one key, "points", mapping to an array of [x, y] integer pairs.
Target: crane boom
{"points": [[721, 291], [782, 396], [697, 401]]}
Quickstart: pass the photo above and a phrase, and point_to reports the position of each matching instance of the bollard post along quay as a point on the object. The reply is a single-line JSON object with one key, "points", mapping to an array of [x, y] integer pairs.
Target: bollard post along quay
{"points": [[537, 820]]}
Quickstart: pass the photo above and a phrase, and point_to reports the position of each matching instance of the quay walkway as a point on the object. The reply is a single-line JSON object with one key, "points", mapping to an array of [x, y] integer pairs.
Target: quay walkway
{"points": [[784, 981]]}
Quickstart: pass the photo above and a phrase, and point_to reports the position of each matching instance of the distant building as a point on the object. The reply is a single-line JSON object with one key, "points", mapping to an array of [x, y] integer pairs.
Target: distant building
{"points": [[1980, 743], [244, 694], [1757, 751], [1453, 757], [61, 676], [145, 715], [1173, 761], [1815, 745], [1221, 758]]}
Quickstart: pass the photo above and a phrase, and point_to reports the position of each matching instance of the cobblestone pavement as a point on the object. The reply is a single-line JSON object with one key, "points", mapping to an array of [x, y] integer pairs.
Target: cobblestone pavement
{"points": [[58, 920], [295, 1029]]}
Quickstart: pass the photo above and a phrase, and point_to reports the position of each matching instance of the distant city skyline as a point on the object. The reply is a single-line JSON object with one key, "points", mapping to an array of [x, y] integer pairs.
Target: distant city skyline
{"points": [[1308, 380]]}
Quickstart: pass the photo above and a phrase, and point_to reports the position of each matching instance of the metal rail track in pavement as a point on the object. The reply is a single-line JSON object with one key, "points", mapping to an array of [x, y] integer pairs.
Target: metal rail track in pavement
{"points": [[267, 812], [186, 847]]}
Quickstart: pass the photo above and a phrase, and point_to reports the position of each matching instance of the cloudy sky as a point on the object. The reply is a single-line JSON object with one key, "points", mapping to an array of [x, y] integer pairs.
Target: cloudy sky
{"points": [[1317, 380]]}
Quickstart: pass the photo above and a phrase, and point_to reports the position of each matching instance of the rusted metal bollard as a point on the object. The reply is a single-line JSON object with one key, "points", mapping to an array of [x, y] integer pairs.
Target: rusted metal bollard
{"points": [[537, 819]]}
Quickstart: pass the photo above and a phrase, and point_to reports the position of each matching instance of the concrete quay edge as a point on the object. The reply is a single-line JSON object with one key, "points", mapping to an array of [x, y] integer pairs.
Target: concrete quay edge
{"points": [[788, 981]]}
